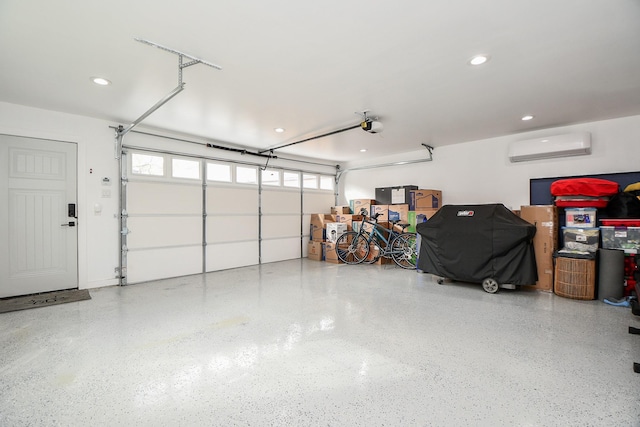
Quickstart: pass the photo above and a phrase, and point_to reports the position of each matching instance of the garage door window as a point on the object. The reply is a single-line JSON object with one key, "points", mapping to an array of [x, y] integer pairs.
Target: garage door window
{"points": [[291, 179], [326, 182], [182, 168], [310, 181], [271, 177], [218, 172], [246, 175], [146, 164]]}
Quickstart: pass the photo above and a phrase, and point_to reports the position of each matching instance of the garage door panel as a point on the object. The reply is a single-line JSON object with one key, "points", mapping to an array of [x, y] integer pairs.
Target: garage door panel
{"points": [[317, 202], [148, 232], [232, 228], [280, 226], [244, 224], [226, 200], [153, 264], [151, 198], [280, 201], [231, 255], [281, 249]]}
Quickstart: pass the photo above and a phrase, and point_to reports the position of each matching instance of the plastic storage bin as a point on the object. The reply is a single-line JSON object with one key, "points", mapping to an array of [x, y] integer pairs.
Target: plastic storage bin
{"points": [[620, 237], [580, 239], [580, 217]]}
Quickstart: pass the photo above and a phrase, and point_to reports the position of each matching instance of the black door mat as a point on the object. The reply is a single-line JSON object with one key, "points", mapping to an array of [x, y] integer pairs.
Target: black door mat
{"points": [[43, 300]]}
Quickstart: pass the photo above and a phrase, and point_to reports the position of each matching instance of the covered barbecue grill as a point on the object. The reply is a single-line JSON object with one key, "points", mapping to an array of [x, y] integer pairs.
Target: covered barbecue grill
{"points": [[478, 243]]}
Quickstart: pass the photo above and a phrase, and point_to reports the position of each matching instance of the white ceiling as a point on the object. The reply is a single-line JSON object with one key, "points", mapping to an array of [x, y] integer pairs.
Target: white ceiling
{"points": [[309, 66]]}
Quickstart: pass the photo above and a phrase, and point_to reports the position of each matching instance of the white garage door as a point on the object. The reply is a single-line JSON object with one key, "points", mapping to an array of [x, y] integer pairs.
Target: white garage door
{"points": [[164, 205], [281, 227], [190, 215]]}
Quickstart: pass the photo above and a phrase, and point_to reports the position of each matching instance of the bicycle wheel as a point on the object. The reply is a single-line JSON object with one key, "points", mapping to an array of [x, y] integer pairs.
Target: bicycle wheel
{"points": [[352, 248], [403, 250]]}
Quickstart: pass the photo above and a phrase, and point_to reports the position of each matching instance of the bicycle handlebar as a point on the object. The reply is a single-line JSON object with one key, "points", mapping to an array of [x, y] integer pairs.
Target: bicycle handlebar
{"points": [[364, 212]]}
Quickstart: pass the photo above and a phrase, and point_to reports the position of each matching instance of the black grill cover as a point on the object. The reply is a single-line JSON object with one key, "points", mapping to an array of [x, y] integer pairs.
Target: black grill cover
{"points": [[471, 243]]}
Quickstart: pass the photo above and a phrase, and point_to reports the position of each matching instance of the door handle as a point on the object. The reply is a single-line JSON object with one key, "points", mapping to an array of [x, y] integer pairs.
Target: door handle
{"points": [[69, 224]]}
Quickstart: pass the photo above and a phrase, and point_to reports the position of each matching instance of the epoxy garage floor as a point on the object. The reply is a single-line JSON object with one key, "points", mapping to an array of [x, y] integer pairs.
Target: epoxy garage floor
{"points": [[304, 343]]}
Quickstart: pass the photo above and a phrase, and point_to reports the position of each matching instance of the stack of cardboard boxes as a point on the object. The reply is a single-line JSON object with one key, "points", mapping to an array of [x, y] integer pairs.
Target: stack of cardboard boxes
{"points": [[413, 206], [325, 229]]}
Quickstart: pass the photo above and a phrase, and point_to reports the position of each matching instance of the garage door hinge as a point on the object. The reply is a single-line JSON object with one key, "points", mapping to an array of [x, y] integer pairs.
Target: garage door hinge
{"points": [[124, 213], [125, 231]]}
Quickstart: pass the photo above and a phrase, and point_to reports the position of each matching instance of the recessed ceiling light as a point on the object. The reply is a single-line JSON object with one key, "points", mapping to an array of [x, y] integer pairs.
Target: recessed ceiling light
{"points": [[478, 59], [279, 130], [100, 81], [527, 117], [363, 150]]}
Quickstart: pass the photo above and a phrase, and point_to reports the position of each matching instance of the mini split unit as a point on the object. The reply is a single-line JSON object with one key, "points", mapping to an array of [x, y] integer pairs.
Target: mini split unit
{"points": [[574, 144]]}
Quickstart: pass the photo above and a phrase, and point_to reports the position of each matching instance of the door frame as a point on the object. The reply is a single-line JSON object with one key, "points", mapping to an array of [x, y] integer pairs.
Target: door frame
{"points": [[81, 257]]}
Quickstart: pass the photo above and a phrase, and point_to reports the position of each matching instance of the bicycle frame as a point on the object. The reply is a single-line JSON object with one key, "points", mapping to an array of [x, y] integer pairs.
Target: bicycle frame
{"points": [[377, 234], [353, 247]]}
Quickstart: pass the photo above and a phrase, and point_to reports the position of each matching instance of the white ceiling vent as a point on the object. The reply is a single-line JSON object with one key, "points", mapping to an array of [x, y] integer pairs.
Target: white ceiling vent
{"points": [[573, 144]]}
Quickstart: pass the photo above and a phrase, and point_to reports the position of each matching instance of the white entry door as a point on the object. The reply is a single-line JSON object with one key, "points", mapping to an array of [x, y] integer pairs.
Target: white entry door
{"points": [[38, 233]]}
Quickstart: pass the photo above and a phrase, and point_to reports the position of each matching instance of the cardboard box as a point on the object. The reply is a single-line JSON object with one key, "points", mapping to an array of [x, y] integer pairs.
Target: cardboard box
{"points": [[425, 199], [358, 204], [381, 209], [545, 242], [340, 210], [330, 254], [334, 230], [416, 217], [349, 220], [314, 251], [399, 213], [317, 231], [401, 195]]}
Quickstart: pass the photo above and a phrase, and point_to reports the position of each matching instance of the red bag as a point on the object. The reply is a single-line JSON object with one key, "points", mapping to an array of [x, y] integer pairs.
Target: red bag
{"points": [[592, 187], [581, 202]]}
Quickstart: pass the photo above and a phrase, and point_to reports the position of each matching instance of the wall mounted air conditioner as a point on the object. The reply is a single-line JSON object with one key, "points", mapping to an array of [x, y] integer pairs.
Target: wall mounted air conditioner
{"points": [[573, 144]]}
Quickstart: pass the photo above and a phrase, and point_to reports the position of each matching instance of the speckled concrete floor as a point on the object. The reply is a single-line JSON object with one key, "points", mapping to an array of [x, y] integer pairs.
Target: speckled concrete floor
{"points": [[304, 343]]}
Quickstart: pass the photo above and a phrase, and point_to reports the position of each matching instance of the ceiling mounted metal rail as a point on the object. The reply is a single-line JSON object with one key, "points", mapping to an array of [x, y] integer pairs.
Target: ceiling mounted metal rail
{"points": [[312, 138], [363, 124], [121, 131], [429, 148]]}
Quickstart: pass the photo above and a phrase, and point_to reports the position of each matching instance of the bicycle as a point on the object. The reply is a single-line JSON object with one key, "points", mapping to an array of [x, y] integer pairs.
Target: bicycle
{"points": [[354, 247]]}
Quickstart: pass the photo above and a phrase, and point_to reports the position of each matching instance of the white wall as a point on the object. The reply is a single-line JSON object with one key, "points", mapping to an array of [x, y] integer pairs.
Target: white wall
{"points": [[480, 172], [97, 234]]}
